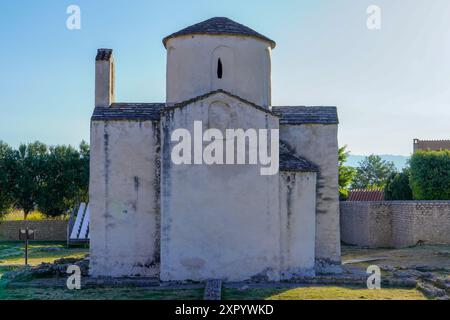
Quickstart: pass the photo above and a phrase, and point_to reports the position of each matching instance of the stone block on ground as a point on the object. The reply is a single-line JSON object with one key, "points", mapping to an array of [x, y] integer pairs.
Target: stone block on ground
{"points": [[213, 290]]}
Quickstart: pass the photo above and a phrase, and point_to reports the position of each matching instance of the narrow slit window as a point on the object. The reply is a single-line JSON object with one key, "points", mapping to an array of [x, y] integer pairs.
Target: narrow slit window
{"points": [[219, 69]]}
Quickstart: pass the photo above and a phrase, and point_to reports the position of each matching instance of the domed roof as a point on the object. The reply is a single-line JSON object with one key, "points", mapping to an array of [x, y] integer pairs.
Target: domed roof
{"points": [[219, 26]]}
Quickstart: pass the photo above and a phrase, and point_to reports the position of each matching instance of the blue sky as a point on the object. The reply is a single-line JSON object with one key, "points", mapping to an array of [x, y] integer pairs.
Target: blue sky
{"points": [[390, 85]]}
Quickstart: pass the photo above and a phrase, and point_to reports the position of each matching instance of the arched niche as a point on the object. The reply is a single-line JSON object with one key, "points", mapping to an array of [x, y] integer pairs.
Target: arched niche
{"points": [[222, 69]]}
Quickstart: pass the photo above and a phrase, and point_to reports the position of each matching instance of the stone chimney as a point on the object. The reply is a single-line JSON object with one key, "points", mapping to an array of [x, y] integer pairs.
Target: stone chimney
{"points": [[104, 78]]}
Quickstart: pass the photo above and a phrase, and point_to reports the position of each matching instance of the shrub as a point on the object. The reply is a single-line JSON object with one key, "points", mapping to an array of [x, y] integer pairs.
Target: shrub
{"points": [[430, 175], [397, 186]]}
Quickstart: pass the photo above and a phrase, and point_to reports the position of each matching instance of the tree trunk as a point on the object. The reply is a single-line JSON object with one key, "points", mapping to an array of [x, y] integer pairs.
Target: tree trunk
{"points": [[25, 215]]}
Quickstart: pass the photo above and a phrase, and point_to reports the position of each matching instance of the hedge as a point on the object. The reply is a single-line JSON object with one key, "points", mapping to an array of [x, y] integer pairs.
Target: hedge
{"points": [[430, 175]]}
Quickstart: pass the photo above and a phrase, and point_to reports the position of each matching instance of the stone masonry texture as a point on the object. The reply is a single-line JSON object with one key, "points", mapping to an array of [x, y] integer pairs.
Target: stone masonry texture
{"points": [[46, 230], [396, 224]]}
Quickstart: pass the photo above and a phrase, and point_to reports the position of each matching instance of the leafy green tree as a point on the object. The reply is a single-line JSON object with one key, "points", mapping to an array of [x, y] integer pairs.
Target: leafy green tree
{"points": [[65, 180], [430, 175], [346, 173], [397, 186], [6, 165], [373, 173], [27, 175]]}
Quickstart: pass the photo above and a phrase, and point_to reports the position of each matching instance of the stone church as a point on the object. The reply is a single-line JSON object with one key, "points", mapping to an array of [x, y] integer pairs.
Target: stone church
{"points": [[153, 218]]}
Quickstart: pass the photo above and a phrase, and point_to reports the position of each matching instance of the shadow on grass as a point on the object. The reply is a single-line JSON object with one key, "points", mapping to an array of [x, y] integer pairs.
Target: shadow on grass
{"points": [[99, 294]]}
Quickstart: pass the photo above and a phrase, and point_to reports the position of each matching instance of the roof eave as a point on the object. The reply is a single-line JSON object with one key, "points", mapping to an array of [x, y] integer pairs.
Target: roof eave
{"points": [[272, 43], [218, 91]]}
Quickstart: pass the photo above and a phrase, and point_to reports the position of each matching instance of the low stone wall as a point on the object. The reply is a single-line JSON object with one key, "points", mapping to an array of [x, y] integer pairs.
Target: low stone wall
{"points": [[46, 230], [395, 224]]}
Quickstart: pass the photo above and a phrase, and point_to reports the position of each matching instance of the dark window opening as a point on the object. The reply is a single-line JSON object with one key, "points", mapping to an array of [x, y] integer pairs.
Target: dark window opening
{"points": [[219, 69]]}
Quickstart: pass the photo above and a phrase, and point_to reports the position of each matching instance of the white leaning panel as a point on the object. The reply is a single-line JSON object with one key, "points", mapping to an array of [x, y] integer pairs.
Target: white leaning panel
{"points": [[77, 224], [85, 226]]}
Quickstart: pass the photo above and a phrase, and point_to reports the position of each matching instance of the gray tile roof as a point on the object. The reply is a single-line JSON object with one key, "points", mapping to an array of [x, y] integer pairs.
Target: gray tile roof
{"points": [[103, 54], [291, 115], [152, 111], [290, 162], [129, 111], [219, 26]]}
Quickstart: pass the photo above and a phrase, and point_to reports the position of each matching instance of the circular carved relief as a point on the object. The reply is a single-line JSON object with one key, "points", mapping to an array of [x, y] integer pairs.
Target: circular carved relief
{"points": [[221, 116]]}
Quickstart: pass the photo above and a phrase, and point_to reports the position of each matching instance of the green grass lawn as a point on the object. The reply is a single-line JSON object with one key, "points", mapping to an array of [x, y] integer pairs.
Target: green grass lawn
{"points": [[12, 253], [322, 293], [11, 257], [99, 294], [4, 269]]}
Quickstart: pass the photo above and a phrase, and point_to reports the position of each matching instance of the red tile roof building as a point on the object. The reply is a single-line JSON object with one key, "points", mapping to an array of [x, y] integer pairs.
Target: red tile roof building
{"points": [[366, 195]]}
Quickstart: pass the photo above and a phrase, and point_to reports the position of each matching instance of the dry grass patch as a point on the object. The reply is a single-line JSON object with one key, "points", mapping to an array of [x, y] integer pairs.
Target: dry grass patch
{"points": [[17, 215], [323, 293]]}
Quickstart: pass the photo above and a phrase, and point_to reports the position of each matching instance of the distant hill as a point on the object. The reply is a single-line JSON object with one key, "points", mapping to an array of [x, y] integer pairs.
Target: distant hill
{"points": [[399, 161]]}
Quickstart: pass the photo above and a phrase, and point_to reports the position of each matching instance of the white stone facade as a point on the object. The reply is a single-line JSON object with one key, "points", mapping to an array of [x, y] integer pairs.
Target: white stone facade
{"points": [[151, 217]]}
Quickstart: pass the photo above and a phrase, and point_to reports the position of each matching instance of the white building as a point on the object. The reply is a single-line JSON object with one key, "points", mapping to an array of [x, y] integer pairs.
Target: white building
{"points": [[151, 217]]}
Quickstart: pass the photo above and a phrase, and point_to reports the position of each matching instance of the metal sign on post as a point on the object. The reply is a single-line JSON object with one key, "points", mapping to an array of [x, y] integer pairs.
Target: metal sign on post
{"points": [[26, 235]]}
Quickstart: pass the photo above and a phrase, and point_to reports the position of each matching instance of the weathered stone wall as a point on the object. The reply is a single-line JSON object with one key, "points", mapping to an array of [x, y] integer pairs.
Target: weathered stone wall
{"points": [[46, 230], [124, 198], [367, 224], [421, 221], [355, 223], [218, 221], [297, 221], [324, 153], [395, 224]]}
